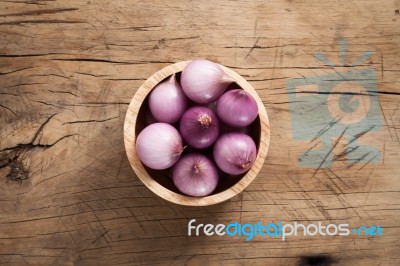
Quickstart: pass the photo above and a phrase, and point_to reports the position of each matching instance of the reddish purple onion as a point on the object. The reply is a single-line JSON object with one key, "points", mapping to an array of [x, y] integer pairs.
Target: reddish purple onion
{"points": [[195, 175], [204, 81], [237, 108], [167, 102], [159, 146], [199, 127], [234, 153]]}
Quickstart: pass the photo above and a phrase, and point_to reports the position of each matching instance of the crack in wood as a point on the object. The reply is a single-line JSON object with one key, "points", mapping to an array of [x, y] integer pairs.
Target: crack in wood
{"points": [[14, 71], [39, 12], [329, 152], [27, 55], [41, 21], [369, 93], [112, 61], [14, 158], [89, 74], [90, 121], [63, 92], [30, 2], [40, 129], [9, 109], [101, 103], [7, 93]]}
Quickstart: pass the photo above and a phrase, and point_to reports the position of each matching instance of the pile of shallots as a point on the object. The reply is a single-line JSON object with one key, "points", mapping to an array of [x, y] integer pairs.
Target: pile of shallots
{"points": [[199, 127]]}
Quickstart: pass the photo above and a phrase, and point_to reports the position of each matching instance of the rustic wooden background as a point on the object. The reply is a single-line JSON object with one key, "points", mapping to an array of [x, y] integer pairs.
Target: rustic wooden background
{"points": [[68, 70]]}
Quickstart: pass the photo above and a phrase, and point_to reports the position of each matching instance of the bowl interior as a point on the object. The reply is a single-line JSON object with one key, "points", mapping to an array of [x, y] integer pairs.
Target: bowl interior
{"points": [[163, 176]]}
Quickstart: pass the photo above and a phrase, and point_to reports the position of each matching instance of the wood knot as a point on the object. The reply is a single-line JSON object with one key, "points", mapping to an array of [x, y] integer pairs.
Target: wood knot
{"points": [[12, 164]]}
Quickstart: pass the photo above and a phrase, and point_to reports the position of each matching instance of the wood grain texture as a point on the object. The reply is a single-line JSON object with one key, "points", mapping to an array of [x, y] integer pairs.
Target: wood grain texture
{"points": [[68, 70]]}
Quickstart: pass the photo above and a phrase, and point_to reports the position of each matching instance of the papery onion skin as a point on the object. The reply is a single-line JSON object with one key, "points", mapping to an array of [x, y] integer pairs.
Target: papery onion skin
{"points": [[195, 175], [167, 101], [199, 127], [159, 146], [237, 108], [204, 81], [234, 153]]}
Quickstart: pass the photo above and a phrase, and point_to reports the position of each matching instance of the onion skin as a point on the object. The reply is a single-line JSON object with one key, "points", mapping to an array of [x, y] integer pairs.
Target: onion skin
{"points": [[204, 81], [234, 153], [199, 127], [195, 175], [237, 108], [167, 102], [159, 146]]}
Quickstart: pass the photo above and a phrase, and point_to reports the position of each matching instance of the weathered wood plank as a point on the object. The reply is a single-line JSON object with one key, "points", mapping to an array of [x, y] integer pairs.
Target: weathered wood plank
{"points": [[67, 73]]}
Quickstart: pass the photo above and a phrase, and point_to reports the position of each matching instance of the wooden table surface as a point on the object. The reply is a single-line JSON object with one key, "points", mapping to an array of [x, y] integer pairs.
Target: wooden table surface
{"points": [[68, 70]]}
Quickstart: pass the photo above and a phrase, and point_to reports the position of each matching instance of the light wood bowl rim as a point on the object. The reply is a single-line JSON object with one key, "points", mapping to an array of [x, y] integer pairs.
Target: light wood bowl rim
{"points": [[153, 185]]}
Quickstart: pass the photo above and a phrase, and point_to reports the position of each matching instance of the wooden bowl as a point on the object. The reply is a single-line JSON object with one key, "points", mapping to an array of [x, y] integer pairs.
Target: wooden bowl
{"points": [[159, 181]]}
